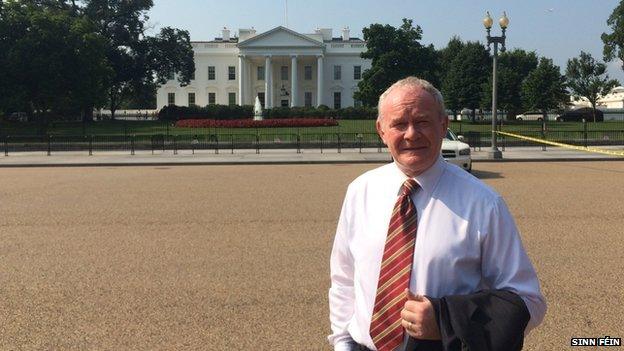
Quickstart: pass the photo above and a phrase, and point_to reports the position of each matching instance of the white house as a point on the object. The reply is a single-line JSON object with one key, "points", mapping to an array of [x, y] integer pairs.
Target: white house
{"points": [[280, 66], [614, 99]]}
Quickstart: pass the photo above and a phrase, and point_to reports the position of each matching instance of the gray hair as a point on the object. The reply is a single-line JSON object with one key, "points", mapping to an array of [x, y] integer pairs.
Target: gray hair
{"points": [[414, 82]]}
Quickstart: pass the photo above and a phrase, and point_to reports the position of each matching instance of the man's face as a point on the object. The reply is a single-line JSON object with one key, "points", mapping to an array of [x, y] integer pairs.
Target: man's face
{"points": [[412, 126]]}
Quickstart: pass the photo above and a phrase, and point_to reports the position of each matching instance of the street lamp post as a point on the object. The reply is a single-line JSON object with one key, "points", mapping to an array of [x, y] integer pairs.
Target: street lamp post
{"points": [[495, 153]]}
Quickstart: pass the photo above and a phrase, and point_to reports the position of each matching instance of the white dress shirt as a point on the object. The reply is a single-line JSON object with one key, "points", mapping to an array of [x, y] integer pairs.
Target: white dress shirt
{"points": [[466, 241]]}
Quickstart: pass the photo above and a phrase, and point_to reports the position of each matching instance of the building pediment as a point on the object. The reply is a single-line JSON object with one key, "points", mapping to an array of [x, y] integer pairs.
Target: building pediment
{"points": [[280, 37]]}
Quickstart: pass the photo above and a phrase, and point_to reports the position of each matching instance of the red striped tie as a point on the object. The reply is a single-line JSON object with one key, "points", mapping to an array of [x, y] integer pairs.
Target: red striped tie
{"points": [[396, 267]]}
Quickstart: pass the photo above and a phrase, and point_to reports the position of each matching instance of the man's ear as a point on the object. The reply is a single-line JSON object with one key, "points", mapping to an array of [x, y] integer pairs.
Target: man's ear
{"points": [[445, 123], [380, 131]]}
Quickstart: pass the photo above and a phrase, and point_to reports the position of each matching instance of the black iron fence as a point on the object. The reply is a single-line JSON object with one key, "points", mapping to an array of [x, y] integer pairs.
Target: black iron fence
{"points": [[213, 142], [354, 134]]}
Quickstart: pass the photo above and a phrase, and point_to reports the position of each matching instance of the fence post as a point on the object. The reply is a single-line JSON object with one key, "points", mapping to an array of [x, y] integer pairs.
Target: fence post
{"points": [[232, 142], [217, 143], [543, 135], [585, 132], [6, 145], [321, 143], [132, 144], [49, 145], [257, 142], [90, 145], [339, 144], [152, 143], [360, 137], [175, 145], [298, 143]]}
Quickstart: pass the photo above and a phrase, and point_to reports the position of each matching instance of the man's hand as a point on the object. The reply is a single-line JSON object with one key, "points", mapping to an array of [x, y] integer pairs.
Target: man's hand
{"points": [[418, 318]]}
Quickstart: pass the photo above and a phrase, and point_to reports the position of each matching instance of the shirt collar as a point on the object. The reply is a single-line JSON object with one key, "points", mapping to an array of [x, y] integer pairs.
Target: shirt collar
{"points": [[427, 180]]}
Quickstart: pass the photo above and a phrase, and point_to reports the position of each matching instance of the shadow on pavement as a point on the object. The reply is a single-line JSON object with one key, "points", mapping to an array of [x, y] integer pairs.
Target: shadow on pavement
{"points": [[485, 174]]}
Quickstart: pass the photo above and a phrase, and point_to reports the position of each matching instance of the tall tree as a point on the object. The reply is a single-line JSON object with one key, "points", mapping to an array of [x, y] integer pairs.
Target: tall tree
{"points": [[52, 61], [588, 79], [614, 41], [446, 57], [395, 53], [545, 88], [513, 68], [136, 59], [463, 85]]}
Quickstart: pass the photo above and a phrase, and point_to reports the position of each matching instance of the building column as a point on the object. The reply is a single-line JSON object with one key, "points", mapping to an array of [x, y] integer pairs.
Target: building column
{"points": [[241, 75], [319, 80], [293, 81], [268, 101]]}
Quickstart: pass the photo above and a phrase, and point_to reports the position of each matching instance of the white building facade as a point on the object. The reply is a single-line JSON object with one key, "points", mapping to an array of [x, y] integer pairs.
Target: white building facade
{"points": [[281, 67]]}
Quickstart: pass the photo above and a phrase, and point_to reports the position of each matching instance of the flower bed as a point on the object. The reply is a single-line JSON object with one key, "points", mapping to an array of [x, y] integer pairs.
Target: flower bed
{"points": [[250, 123]]}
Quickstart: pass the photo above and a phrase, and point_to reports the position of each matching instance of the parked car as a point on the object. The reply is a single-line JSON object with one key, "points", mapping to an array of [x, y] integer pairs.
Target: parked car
{"points": [[456, 152], [579, 114], [536, 116]]}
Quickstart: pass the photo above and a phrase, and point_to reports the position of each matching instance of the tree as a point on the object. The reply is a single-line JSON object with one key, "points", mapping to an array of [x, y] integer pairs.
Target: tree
{"points": [[464, 81], [614, 41], [513, 68], [446, 57], [52, 61], [544, 88], [138, 60], [588, 79], [396, 53]]}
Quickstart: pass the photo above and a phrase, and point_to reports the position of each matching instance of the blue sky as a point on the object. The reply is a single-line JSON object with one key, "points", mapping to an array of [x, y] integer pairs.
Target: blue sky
{"points": [[556, 29]]}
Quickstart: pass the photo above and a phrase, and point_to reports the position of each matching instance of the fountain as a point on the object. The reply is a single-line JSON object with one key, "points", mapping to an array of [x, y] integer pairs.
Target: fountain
{"points": [[257, 110]]}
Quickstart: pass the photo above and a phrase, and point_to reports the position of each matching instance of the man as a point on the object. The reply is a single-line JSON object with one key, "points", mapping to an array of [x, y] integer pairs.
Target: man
{"points": [[425, 225]]}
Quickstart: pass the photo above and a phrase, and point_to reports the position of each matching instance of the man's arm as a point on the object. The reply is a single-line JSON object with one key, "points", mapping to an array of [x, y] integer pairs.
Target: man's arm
{"points": [[341, 292], [506, 266]]}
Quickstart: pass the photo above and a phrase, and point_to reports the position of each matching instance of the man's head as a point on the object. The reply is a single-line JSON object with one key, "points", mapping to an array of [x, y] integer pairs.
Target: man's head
{"points": [[412, 122]]}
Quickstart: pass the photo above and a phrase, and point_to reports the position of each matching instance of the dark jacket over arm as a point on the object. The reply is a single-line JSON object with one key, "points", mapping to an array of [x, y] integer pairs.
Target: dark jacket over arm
{"points": [[489, 320]]}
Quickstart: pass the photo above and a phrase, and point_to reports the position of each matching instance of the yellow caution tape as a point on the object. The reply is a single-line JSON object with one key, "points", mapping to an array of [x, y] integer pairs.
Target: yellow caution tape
{"points": [[580, 148]]}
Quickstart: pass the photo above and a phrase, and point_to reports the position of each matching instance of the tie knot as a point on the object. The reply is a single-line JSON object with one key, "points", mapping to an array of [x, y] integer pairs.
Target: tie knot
{"points": [[409, 186]]}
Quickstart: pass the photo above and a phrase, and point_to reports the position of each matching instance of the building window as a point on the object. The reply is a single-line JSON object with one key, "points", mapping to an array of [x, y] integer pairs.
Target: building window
{"points": [[231, 73], [284, 103], [307, 98], [211, 72], [337, 72], [191, 99], [260, 74], [212, 98], [337, 99], [171, 98], [232, 98], [284, 72], [357, 72], [307, 72], [261, 98]]}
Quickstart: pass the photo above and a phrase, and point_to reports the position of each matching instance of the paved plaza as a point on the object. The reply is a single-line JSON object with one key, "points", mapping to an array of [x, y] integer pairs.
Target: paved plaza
{"points": [[234, 257]]}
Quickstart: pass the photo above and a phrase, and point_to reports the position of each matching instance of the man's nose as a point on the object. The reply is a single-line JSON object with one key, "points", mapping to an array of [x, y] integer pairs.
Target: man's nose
{"points": [[411, 133]]}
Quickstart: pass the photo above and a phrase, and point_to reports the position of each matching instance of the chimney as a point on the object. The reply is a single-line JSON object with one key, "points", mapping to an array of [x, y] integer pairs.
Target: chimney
{"points": [[225, 36], [345, 34]]}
